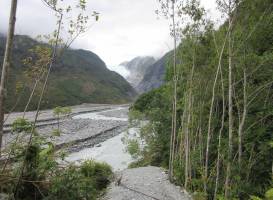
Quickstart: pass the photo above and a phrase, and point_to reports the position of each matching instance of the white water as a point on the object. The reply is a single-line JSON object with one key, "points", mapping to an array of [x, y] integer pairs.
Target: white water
{"points": [[99, 116], [111, 151]]}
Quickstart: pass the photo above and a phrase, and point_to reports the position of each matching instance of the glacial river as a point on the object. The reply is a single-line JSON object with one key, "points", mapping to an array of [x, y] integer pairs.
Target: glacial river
{"points": [[111, 151]]}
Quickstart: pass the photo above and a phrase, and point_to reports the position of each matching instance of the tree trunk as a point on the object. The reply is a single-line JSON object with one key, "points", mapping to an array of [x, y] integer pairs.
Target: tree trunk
{"points": [[220, 137], [173, 133], [182, 139], [230, 113], [6, 65], [30, 98], [209, 131], [210, 116], [39, 105], [187, 148], [242, 123], [58, 122], [15, 105], [187, 143], [171, 143]]}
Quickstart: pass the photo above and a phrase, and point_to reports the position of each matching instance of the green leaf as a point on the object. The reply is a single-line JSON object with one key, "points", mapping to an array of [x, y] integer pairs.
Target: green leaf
{"points": [[269, 194], [21, 125], [255, 198]]}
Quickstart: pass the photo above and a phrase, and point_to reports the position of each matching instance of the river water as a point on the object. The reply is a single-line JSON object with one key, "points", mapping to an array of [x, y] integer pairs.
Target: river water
{"points": [[111, 151]]}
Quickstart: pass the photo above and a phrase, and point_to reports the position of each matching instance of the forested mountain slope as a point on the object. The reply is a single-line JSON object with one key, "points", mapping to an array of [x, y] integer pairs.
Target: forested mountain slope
{"points": [[223, 143], [77, 77]]}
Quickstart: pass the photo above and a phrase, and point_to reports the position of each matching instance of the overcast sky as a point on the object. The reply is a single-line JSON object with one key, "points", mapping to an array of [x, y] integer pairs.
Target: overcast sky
{"points": [[126, 29]]}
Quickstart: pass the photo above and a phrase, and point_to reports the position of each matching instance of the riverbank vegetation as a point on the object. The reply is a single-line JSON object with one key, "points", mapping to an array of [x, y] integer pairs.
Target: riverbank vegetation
{"points": [[30, 165], [211, 123], [37, 171]]}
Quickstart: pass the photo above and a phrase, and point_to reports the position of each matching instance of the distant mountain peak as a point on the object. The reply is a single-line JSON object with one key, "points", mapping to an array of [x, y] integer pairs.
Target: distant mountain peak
{"points": [[137, 68], [154, 75]]}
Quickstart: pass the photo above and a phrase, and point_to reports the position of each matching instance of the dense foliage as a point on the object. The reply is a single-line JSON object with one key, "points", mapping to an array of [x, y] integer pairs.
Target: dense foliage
{"points": [[198, 61]]}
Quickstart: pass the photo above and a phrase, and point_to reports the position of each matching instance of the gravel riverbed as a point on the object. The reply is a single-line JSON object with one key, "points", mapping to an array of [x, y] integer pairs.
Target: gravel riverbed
{"points": [[96, 132], [77, 133]]}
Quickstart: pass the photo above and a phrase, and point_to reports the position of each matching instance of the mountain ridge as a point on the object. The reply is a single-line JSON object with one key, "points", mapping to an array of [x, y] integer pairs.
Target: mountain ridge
{"points": [[80, 76], [154, 76], [137, 68]]}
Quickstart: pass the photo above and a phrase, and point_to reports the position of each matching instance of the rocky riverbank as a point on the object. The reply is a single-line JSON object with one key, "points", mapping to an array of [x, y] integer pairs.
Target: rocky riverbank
{"points": [[77, 133], [102, 127], [145, 183]]}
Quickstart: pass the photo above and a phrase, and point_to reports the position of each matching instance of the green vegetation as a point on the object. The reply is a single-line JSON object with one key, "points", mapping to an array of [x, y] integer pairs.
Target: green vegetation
{"points": [[77, 77], [30, 166], [20, 125], [43, 177], [60, 112], [213, 156], [84, 182]]}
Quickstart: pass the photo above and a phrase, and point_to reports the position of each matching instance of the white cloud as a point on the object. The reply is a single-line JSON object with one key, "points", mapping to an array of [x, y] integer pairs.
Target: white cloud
{"points": [[126, 29], [120, 69]]}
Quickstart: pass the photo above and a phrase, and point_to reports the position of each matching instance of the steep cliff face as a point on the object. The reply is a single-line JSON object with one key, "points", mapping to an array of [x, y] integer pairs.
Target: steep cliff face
{"points": [[154, 75], [137, 68]]}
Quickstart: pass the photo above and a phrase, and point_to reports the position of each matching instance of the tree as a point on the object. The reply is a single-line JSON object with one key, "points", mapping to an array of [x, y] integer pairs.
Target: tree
{"points": [[37, 65], [76, 28], [169, 10], [61, 111], [232, 72], [218, 71], [6, 65], [174, 115], [228, 7]]}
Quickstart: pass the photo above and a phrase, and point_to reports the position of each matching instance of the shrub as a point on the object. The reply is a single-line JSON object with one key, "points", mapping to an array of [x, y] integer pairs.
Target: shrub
{"points": [[21, 125], [80, 182]]}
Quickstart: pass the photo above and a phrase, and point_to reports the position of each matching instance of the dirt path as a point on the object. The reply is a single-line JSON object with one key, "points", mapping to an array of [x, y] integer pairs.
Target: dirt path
{"points": [[146, 183]]}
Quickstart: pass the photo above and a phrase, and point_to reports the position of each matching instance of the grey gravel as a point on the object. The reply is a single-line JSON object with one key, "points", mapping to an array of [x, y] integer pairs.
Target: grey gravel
{"points": [[146, 183], [47, 115], [121, 113], [87, 132]]}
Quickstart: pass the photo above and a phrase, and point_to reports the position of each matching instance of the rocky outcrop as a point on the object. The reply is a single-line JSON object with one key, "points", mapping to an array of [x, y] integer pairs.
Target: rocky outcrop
{"points": [[137, 68], [154, 76]]}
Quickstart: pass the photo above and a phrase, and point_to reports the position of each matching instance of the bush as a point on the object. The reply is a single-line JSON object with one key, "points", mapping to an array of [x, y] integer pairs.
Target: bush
{"points": [[84, 182], [21, 125], [133, 148]]}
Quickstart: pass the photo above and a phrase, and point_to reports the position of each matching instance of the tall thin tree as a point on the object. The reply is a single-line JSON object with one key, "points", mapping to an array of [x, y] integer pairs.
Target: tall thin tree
{"points": [[230, 102], [222, 126], [6, 65], [242, 120], [174, 114], [210, 115]]}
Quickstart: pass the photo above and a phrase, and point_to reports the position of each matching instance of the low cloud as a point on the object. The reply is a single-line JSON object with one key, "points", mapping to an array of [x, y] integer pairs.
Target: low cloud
{"points": [[121, 70], [126, 29]]}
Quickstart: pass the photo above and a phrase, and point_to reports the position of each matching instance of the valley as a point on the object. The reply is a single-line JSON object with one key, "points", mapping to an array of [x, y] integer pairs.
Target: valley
{"points": [[96, 132], [133, 100], [79, 76]]}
